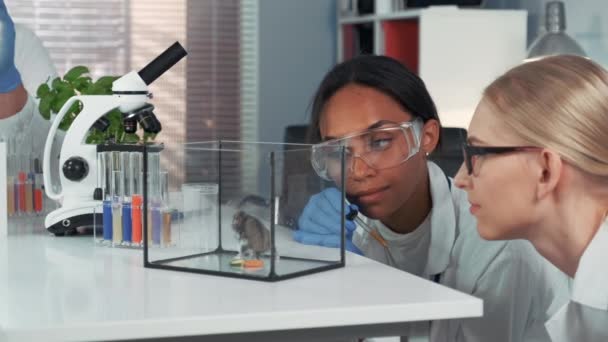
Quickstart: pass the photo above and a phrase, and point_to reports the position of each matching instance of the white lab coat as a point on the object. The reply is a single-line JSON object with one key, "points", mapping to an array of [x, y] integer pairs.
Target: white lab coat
{"points": [[519, 288], [585, 317], [26, 132]]}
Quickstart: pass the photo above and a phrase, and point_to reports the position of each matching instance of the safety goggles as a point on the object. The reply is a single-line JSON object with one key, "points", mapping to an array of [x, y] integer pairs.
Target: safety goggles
{"points": [[379, 148], [472, 154]]}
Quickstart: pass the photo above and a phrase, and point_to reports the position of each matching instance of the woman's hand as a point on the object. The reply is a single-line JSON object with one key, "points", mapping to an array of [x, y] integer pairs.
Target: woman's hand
{"points": [[320, 222]]}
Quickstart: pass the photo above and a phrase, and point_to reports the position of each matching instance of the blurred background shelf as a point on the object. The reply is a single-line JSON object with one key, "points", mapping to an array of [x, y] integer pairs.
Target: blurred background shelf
{"points": [[456, 51]]}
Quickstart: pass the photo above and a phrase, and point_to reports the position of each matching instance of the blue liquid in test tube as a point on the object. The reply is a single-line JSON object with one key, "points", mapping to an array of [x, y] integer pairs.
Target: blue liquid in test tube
{"points": [[107, 220], [126, 222], [127, 188]]}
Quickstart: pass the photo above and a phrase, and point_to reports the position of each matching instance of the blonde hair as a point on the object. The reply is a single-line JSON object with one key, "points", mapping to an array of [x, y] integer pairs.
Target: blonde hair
{"points": [[559, 102]]}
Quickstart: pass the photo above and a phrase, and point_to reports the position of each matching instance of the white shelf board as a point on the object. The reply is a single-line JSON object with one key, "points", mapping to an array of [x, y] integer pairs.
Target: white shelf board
{"points": [[411, 14], [368, 18]]}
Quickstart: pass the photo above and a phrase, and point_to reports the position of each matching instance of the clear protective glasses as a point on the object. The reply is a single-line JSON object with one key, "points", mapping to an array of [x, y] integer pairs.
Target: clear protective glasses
{"points": [[380, 148]]}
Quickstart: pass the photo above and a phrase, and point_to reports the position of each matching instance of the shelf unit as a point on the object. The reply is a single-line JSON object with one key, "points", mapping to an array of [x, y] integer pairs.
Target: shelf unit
{"points": [[457, 52]]}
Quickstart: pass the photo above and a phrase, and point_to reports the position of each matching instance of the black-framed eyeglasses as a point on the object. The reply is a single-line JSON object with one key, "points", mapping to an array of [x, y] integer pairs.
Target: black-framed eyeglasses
{"points": [[471, 153]]}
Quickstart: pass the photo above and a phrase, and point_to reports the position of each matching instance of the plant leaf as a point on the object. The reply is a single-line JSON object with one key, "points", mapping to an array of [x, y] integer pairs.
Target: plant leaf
{"points": [[74, 109], [106, 83], [63, 86], [75, 72], [44, 107], [82, 83], [43, 90], [130, 138], [56, 82], [62, 97], [92, 89], [95, 137], [66, 122]]}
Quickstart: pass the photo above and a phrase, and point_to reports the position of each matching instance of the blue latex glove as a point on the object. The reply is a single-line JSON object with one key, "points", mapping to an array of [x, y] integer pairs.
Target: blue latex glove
{"points": [[9, 76], [319, 223]]}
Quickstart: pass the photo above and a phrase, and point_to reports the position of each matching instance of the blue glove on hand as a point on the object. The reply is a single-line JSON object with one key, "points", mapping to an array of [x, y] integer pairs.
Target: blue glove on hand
{"points": [[319, 223], [9, 76]]}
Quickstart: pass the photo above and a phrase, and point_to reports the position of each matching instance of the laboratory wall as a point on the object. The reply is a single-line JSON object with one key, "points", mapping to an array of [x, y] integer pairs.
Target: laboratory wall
{"points": [[586, 21], [297, 47]]}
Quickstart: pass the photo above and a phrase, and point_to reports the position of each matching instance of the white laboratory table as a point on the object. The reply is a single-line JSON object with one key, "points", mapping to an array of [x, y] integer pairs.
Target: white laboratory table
{"points": [[67, 289]]}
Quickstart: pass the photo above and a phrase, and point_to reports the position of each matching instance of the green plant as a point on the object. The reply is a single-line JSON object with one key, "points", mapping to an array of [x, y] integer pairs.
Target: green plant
{"points": [[78, 82]]}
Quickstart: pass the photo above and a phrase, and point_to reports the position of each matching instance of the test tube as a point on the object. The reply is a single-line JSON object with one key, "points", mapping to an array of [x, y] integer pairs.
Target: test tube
{"points": [[166, 211], [106, 166], [21, 191], [29, 193], [126, 199], [38, 195], [117, 196], [136, 197], [10, 195], [25, 182], [10, 180], [31, 180], [13, 164], [155, 199], [16, 193]]}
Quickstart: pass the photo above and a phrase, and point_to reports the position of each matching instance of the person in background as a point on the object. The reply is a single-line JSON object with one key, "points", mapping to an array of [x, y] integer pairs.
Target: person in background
{"points": [[24, 65], [536, 168], [385, 118]]}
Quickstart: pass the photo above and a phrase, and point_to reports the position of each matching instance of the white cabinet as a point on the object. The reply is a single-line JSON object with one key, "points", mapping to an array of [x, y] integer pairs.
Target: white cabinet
{"points": [[457, 52]]}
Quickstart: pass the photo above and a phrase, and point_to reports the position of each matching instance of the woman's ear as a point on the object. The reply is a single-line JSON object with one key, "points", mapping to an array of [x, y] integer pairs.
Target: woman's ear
{"points": [[549, 174], [430, 136]]}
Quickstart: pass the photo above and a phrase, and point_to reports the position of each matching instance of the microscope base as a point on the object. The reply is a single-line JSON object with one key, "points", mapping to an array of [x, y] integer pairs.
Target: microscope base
{"points": [[71, 221]]}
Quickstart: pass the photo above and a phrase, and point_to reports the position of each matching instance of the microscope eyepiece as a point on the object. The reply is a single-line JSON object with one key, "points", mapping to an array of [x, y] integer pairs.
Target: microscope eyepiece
{"points": [[162, 63]]}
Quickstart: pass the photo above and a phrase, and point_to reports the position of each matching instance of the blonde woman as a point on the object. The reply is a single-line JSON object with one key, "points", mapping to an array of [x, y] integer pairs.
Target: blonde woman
{"points": [[536, 168]]}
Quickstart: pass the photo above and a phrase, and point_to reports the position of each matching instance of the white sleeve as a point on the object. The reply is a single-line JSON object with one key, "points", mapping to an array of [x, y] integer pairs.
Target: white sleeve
{"points": [[32, 60], [36, 67], [14, 127]]}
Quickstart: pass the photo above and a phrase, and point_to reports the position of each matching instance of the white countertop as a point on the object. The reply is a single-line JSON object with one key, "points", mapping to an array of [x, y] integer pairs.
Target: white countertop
{"points": [[66, 288]]}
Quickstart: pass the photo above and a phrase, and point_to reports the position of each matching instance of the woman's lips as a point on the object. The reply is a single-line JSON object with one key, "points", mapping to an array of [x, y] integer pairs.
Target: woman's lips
{"points": [[474, 208], [371, 196]]}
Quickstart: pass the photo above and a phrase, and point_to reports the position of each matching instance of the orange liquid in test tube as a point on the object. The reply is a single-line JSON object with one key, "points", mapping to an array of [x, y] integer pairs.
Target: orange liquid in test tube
{"points": [[38, 200], [29, 198], [10, 192], [166, 229], [136, 203]]}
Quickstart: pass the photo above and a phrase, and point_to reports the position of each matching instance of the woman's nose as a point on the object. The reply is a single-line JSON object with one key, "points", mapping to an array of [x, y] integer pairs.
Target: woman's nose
{"points": [[462, 179], [359, 167]]}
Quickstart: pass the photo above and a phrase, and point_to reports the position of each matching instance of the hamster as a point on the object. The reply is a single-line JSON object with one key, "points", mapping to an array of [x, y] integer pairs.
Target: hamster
{"points": [[253, 236]]}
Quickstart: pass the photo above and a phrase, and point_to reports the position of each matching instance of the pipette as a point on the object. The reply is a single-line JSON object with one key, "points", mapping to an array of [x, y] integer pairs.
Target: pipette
{"points": [[353, 215]]}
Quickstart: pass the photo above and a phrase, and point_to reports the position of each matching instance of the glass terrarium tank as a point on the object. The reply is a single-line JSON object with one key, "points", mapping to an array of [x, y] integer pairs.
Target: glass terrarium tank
{"points": [[231, 208]]}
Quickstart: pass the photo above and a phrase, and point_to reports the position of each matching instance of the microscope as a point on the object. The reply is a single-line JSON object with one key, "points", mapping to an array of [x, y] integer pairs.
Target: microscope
{"points": [[80, 205]]}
